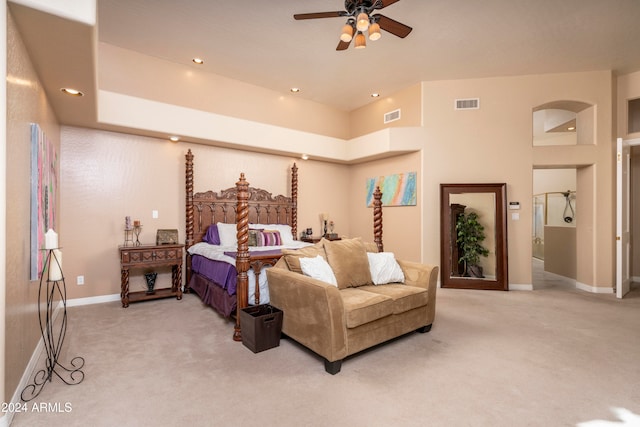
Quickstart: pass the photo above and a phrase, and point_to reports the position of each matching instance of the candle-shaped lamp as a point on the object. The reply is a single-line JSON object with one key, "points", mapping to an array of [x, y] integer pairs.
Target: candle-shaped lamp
{"points": [[50, 239], [55, 265]]}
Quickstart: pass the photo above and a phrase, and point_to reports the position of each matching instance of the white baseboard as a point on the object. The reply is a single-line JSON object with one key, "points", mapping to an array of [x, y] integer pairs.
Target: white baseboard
{"points": [[92, 300], [594, 289], [520, 287]]}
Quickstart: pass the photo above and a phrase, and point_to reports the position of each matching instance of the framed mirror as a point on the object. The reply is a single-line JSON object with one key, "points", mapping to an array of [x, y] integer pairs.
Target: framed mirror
{"points": [[473, 236]]}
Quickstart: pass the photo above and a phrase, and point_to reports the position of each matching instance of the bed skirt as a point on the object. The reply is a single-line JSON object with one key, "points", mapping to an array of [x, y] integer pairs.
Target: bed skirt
{"points": [[213, 295]]}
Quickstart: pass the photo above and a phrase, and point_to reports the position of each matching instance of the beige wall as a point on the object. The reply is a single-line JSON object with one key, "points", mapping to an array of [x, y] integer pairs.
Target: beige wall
{"points": [[628, 87], [494, 144], [127, 72], [370, 118], [560, 251], [401, 225], [27, 104]]}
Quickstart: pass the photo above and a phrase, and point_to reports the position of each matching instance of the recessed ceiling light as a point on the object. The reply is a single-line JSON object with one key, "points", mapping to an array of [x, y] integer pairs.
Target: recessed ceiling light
{"points": [[174, 138], [72, 92], [571, 128], [295, 89], [304, 157], [375, 95], [198, 61]]}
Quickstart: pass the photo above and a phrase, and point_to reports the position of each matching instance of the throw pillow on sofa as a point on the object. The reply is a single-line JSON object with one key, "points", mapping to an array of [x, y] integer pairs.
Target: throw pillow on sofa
{"points": [[292, 256], [384, 268], [349, 262], [319, 269]]}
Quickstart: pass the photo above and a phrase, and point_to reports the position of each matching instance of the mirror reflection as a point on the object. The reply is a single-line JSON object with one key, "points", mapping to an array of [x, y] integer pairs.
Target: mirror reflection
{"points": [[473, 253]]}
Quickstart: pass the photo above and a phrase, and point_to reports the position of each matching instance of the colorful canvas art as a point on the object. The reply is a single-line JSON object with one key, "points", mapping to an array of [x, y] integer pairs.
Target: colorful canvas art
{"points": [[397, 189], [44, 188]]}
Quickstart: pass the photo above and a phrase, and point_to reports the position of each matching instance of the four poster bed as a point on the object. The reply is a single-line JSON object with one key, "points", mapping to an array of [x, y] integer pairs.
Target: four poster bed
{"points": [[233, 235]]}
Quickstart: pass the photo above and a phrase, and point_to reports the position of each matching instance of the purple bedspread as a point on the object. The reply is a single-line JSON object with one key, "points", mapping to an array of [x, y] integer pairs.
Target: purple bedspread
{"points": [[220, 272], [223, 273]]}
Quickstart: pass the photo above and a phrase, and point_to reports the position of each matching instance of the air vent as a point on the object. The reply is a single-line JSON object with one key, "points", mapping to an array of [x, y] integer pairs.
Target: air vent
{"points": [[467, 104], [392, 116]]}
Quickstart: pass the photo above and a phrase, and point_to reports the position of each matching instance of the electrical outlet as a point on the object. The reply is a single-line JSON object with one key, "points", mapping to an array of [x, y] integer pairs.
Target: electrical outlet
{"points": [[154, 214], [80, 280]]}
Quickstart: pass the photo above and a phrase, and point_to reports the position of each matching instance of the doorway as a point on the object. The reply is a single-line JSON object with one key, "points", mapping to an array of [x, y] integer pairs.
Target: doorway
{"points": [[555, 217]]}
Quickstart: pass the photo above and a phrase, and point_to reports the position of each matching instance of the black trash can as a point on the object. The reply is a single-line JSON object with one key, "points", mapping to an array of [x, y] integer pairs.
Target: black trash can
{"points": [[261, 327]]}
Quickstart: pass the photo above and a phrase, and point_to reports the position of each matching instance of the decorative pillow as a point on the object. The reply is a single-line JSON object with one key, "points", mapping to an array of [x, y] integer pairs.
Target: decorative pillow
{"points": [[253, 237], [228, 234], [384, 268], [292, 256], [349, 262], [211, 236], [319, 269], [285, 231], [269, 238]]}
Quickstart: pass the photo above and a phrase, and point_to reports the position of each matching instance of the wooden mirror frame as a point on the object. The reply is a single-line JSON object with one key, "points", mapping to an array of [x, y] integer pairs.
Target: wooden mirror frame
{"points": [[446, 241]]}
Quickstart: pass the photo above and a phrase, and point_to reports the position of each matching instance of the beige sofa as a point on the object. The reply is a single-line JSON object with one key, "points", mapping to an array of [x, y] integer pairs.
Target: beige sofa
{"points": [[338, 321]]}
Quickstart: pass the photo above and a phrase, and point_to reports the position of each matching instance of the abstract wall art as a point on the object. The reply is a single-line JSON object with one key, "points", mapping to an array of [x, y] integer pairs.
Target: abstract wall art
{"points": [[44, 189], [397, 190]]}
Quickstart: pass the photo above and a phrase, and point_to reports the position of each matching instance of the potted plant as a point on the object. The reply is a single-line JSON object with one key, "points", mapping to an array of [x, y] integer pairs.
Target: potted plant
{"points": [[470, 235]]}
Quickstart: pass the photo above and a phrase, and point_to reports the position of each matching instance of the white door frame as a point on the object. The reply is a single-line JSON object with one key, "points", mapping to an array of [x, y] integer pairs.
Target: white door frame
{"points": [[623, 191]]}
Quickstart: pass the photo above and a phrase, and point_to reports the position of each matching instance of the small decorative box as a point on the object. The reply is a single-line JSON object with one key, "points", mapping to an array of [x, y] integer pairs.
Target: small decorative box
{"points": [[167, 237]]}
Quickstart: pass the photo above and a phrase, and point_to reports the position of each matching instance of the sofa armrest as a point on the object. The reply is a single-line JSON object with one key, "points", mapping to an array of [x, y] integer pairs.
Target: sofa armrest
{"points": [[313, 312], [423, 276]]}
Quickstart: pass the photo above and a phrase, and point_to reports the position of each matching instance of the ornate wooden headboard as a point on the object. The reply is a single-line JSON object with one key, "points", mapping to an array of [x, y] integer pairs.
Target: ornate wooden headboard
{"points": [[210, 207]]}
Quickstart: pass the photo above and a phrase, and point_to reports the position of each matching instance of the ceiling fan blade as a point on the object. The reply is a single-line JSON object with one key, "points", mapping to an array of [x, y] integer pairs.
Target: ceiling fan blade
{"points": [[335, 14], [343, 45], [394, 27], [385, 3]]}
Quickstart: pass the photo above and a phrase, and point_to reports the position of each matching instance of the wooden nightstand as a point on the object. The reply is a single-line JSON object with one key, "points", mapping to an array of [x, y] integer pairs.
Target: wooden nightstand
{"points": [[148, 256]]}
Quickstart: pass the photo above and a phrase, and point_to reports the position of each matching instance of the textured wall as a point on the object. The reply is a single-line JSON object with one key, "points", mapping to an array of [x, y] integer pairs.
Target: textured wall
{"points": [[26, 104]]}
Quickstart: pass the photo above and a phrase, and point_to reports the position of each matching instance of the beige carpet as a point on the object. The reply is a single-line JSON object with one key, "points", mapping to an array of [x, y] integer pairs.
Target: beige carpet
{"points": [[550, 357]]}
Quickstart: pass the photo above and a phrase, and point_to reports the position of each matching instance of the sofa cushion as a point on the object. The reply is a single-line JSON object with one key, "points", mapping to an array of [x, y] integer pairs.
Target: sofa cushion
{"points": [[404, 297], [349, 262], [362, 307], [292, 256], [384, 268]]}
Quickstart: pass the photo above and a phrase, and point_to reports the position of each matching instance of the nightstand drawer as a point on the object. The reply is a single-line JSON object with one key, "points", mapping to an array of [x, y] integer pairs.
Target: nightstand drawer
{"points": [[151, 255]]}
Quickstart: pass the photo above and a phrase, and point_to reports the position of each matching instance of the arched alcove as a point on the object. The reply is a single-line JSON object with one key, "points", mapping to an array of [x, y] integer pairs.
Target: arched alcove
{"points": [[563, 123]]}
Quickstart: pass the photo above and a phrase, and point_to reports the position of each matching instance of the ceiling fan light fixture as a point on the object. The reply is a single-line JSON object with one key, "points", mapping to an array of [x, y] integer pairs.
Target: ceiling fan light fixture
{"points": [[347, 33], [362, 22], [361, 41], [374, 32]]}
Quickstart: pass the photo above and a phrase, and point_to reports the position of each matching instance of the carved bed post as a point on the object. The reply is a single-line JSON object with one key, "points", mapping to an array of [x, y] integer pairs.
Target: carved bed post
{"points": [[242, 259], [189, 213], [377, 219], [294, 201]]}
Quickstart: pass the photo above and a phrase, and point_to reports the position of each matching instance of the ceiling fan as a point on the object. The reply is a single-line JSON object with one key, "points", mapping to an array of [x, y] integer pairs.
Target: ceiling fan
{"points": [[360, 20]]}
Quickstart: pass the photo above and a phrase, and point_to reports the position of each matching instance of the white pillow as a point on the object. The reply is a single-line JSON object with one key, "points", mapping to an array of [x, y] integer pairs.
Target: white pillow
{"points": [[319, 269], [384, 268], [228, 234], [285, 231]]}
